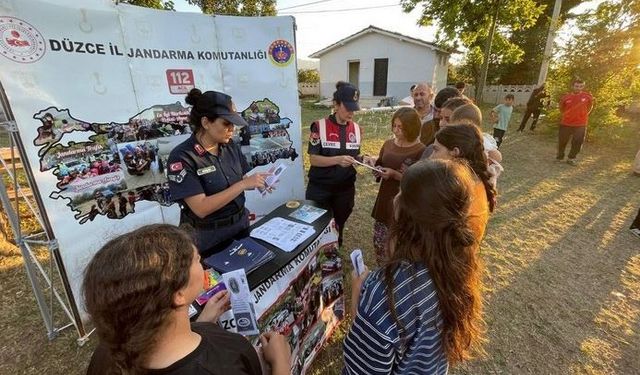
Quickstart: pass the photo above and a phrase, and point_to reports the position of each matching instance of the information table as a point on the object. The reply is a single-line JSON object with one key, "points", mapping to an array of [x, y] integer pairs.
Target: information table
{"points": [[300, 293]]}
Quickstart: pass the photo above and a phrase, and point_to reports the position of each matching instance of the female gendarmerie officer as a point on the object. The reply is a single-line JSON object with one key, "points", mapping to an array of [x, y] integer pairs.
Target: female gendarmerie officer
{"points": [[334, 145], [207, 173]]}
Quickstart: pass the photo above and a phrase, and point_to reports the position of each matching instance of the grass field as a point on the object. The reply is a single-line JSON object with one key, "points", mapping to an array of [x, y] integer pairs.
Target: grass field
{"points": [[562, 280]]}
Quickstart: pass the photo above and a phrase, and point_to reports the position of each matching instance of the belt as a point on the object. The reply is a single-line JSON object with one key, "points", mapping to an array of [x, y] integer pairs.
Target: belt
{"points": [[212, 224]]}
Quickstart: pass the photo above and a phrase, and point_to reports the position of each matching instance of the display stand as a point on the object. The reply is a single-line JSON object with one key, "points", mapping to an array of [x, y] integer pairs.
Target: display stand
{"points": [[299, 294], [41, 275]]}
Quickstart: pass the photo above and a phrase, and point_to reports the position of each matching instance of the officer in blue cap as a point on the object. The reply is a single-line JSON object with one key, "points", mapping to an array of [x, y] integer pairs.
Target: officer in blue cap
{"points": [[208, 173], [334, 145]]}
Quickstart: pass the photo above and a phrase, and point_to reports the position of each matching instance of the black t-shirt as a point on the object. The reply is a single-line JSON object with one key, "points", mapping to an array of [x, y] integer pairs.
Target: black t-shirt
{"points": [[334, 140], [220, 352]]}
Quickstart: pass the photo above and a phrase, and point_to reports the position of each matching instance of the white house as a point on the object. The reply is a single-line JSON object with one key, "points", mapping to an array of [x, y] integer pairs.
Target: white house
{"points": [[381, 63]]}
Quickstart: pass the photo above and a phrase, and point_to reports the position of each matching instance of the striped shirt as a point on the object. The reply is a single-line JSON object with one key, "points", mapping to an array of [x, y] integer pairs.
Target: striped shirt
{"points": [[374, 345]]}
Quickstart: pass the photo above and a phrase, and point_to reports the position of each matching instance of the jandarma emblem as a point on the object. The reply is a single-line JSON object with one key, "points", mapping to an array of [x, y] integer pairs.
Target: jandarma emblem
{"points": [[281, 52], [20, 41]]}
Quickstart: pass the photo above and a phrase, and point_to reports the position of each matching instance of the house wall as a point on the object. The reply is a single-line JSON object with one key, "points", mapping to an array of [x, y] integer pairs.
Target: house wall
{"points": [[408, 64]]}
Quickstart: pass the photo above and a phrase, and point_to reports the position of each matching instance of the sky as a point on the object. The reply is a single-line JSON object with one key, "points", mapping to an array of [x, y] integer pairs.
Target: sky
{"points": [[386, 14], [336, 21]]}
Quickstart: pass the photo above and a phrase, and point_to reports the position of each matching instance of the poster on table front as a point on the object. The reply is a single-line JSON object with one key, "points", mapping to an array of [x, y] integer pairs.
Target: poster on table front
{"points": [[98, 97], [304, 301]]}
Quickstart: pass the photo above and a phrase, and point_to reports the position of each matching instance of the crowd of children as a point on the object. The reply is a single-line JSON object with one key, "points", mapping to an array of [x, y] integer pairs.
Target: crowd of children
{"points": [[419, 311]]}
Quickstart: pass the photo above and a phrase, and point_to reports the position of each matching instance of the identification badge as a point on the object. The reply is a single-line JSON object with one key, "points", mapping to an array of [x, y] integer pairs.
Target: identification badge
{"points": [[206, 170]]}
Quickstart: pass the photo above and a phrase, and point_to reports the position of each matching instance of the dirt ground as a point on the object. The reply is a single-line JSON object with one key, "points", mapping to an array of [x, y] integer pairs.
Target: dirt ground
{"points": [[562, 271]]}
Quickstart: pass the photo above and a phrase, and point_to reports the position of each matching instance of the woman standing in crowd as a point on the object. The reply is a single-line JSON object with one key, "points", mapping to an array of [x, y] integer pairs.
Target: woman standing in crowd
{"points": [[396, 155], [422, 311], [464, 142], [429, 128], [445, 113], [334, 145], [207, 173], [471, 114], [138, 288]]}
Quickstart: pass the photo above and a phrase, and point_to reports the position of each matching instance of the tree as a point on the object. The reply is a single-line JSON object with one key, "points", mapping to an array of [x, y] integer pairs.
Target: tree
{"points": [[155, 4], [532, 42], [605, 52], [468, 23], [308, 76], [237, 7]]}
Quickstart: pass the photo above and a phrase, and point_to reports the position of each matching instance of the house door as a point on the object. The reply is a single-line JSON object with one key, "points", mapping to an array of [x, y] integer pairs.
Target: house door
{"points": [[380, 70], [354, 73]]}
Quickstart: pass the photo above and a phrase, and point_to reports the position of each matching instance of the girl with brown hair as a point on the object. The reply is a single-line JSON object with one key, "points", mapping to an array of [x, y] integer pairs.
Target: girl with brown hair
{"points": [[396, 155], [464, 142], [138, 288], [421, 312]]}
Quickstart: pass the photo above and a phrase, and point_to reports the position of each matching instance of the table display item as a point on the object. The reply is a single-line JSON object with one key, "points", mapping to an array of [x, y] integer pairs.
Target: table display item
{"points": [[307, 213], [244, 254], [283, 233]]}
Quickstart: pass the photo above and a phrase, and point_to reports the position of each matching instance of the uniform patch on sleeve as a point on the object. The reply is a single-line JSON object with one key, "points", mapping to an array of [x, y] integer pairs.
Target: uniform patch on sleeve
{"points": [[314, 138], [175, 167], [177, 178]]}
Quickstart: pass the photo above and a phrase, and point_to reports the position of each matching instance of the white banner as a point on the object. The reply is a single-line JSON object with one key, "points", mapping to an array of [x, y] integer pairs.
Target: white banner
{"points": [[98, 96]]}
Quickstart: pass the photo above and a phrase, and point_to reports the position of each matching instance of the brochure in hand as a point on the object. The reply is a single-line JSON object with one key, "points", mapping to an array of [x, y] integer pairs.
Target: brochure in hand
{"points": [[244, 254], [212, 284]]}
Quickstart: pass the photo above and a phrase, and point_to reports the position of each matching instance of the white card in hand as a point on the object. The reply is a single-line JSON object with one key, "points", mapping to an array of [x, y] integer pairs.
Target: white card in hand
{"points": [[241, 302], [358, 261]]}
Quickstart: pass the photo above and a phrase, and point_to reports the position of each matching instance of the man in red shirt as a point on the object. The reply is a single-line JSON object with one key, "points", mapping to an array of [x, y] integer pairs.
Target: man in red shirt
{"points": [[575, 108]]}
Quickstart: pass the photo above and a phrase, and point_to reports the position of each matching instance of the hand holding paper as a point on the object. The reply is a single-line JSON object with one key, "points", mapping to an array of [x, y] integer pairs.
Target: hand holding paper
{"points": [[215, 307], [375, 169]]}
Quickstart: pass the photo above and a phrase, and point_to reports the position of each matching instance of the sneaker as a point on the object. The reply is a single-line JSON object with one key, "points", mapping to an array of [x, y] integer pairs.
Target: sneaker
{"points": [[573, 162], [635, 231]]}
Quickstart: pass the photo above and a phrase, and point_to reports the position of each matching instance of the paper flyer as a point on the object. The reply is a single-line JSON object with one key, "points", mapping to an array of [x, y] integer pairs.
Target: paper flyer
{"points": [[307, 213], [283, 233], [241, 302]]}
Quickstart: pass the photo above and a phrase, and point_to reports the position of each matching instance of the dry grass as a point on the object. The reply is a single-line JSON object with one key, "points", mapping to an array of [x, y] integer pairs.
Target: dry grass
{"points": [[562, 271]]}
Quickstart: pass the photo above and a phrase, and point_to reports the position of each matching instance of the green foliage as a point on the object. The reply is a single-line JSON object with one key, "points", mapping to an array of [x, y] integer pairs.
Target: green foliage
{"points": [[237, 7], [155, 4], [532, 42], [606, 54], [467, 23], [308, 76]]}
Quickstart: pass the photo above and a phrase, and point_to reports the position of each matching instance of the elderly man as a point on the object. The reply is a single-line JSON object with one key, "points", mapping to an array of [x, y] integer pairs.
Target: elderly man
{"points": [[422, 96]]}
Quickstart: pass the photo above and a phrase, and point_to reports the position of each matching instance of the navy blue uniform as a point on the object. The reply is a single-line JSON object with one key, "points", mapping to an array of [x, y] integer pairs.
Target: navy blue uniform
{"points": [[334, 187], [191, 171]]}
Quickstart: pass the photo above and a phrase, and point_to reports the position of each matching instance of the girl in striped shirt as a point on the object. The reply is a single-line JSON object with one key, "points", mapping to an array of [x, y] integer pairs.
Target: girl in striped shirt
{"points": [[421, 311]]}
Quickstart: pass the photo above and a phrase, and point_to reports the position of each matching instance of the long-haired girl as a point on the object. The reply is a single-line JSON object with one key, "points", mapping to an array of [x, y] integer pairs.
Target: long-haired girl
{"points": [[138, 288], [421, 312], [464, 142]]}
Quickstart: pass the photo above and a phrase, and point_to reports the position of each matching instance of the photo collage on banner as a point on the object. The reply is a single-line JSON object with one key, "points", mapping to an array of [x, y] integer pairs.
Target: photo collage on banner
{"points": [[98, 97]]}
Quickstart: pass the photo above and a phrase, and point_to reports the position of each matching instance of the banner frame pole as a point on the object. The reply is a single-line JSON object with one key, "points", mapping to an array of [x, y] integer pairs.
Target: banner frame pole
{"points": [[31, 263]]}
